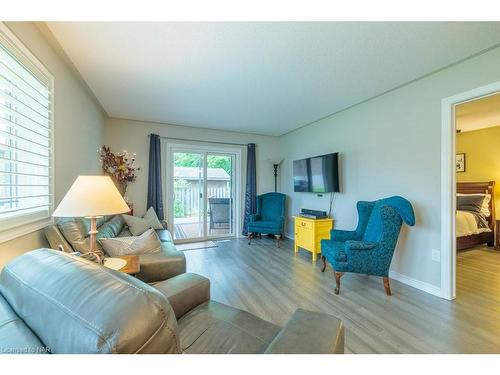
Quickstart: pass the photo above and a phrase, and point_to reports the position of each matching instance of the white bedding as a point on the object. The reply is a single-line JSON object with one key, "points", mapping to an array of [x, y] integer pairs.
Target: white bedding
{"points": [[466, 224]]}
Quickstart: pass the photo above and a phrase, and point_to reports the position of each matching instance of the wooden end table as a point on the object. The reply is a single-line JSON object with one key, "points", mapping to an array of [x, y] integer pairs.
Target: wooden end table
{"points": [[132, 267]]}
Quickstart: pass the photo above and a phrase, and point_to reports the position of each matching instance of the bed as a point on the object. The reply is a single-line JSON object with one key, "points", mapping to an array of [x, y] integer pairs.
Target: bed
{"points": [[473, 229]]}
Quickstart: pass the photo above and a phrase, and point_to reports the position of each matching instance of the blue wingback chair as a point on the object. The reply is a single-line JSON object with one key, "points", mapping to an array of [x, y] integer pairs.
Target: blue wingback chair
{"points": [[269, 218], [370, 247]]}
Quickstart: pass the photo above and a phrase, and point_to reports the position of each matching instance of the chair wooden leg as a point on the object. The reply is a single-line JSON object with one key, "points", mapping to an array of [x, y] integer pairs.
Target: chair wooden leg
{"points": [[338, 275], [278, 238], [387, 286], [250, 234], [323, 268]]}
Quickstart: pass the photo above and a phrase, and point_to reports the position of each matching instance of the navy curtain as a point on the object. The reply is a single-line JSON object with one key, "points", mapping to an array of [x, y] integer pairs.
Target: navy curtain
{"points": [[251, 188], [155, 197]]}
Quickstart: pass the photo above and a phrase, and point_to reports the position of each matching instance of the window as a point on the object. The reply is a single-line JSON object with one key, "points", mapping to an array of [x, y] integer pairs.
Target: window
{"points": [[26, 139]]}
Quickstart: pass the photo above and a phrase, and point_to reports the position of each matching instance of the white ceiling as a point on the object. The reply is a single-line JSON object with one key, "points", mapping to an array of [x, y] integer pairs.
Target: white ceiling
{"points": [[266, 78], [478, 114]]}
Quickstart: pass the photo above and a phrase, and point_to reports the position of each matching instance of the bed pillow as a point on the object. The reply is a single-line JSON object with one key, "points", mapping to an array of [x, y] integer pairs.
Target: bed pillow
{"points": [[146, 243], [469, 202], [138, 225], [485, 209]]}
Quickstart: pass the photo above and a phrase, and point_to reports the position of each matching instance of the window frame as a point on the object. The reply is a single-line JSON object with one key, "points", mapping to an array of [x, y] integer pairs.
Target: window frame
{"points": [[29, 223]]}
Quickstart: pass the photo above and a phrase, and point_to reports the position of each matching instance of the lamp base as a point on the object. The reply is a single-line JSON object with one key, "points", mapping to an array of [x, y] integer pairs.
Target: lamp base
{"points": [[97, 254], [94, 256]]}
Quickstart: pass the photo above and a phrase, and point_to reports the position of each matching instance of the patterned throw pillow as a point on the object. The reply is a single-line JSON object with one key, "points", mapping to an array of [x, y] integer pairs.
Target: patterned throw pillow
{"points": [[146, 243], [138, 225]]}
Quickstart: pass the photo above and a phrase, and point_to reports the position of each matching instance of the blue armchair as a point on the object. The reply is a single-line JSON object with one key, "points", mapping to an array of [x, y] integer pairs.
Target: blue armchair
{"points": [[269, 218], [369, 248]]}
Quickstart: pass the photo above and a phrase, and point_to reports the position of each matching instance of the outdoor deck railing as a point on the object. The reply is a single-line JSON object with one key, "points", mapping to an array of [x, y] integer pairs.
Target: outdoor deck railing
{"points": [[188, 199]]}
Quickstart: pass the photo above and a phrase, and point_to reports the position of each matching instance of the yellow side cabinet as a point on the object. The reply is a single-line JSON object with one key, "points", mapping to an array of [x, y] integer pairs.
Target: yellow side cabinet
{"points": [[310, 232]]}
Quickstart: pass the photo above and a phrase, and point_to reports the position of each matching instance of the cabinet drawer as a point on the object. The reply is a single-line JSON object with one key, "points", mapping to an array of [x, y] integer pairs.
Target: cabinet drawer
{"points": [[299, 223]]}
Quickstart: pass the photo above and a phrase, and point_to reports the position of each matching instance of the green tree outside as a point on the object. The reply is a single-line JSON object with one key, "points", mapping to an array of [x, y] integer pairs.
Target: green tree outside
{"points": [[185, 159]]}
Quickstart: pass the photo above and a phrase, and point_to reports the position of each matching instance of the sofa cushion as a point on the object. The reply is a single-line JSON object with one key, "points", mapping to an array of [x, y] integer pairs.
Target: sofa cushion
{"points": [[146, 243], [77, 306], [220, 329], [185, 292], [167, 263], [74, 231], [296, 338], [56, 239], [15, 335]]}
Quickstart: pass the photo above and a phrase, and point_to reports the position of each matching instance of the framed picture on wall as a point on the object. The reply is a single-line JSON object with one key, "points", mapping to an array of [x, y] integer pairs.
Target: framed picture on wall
{"points": [[460, 163]]}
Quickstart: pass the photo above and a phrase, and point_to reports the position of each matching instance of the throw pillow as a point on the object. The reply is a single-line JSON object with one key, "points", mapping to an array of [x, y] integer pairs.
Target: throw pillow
{"points": [[472, 203], [138, 225], [146, 243], [153, 218], [485, 209]]}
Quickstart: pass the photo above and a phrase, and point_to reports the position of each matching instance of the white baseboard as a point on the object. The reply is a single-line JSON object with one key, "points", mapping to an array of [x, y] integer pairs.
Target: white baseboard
{"points": [[414, 283], [423, 286]]}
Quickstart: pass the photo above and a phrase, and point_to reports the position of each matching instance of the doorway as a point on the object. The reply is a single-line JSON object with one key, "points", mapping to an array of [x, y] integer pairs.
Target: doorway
{"points": [[449, 184], [203, 190]]}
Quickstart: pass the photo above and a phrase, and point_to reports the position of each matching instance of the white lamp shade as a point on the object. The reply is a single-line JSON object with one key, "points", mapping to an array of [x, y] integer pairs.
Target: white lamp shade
{"points": [[91, 196]]}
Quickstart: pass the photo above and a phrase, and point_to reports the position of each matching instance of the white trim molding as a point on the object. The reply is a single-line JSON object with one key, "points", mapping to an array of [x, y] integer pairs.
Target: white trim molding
{"points": [[407, 280], [203, 149], [423, 286], [31, 222], [448, 184], [25, 229]]}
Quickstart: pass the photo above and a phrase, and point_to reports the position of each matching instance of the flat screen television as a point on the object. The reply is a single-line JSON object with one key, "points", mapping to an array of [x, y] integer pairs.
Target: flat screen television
{"points": [[319, 174]]}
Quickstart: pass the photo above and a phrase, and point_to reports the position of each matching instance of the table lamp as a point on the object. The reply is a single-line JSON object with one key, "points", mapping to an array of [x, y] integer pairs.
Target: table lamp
{"points": [[92, 197]]}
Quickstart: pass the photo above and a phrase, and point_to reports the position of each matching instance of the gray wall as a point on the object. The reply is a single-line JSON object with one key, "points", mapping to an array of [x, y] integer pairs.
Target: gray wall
{"points": [[390, 145], [79, 128], [133, 136]]}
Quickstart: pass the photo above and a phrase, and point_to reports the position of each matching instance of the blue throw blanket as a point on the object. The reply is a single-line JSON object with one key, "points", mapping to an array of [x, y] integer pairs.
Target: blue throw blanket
{"points": [[402, 207]]}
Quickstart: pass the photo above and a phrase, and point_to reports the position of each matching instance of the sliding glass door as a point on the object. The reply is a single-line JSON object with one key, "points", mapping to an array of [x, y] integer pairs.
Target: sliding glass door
{"points": [[188, 187], [202, 186], [219, 195]]}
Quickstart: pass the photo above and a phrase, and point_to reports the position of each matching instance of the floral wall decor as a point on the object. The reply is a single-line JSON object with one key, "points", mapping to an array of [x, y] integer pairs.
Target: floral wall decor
{"points": [[120, 167]]}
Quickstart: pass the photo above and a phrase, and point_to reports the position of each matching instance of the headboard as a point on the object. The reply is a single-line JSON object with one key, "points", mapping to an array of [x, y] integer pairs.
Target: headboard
{"points": [[484, 188]]}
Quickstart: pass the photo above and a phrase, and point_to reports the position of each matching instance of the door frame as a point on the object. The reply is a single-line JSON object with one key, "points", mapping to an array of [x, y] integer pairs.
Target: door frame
{"points": [[172, 147], [448, 184]]}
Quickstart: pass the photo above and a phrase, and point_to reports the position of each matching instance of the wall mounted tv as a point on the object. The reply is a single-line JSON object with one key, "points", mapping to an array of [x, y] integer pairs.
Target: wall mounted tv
{"points": [[319, 174]]}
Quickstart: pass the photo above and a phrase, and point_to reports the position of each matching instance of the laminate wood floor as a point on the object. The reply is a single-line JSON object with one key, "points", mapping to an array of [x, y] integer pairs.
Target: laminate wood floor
{"points": [[271, 283]]}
